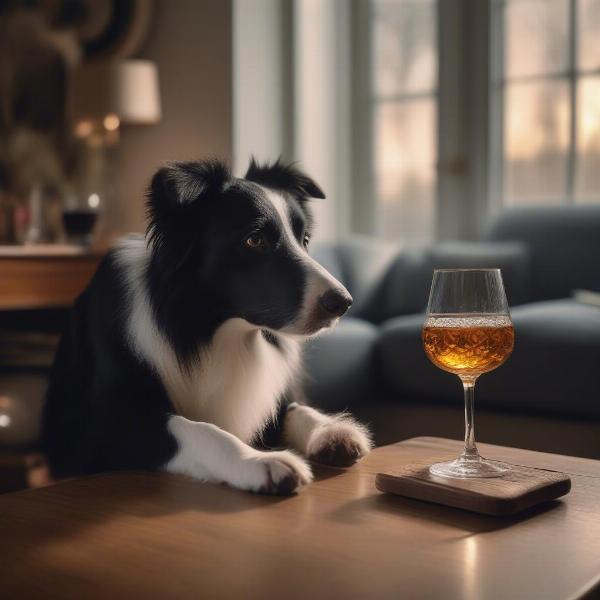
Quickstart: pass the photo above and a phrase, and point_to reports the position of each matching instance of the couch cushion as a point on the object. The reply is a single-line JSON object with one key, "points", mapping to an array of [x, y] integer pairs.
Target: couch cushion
{"points": [[554, 367], [339, 365], [512, 258], [564, 245], [405, 288]]}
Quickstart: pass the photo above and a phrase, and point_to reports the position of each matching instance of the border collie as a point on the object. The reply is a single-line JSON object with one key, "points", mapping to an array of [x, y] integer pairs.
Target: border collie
{"points": [[184, 352]]}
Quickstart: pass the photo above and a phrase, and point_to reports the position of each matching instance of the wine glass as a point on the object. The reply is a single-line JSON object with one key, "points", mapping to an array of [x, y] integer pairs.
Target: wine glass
{"points": [[468, 331]]}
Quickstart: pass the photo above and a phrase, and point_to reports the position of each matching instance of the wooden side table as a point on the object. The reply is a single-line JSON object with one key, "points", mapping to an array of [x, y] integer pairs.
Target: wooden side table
{"points": [[44, 276], [33, 278]]}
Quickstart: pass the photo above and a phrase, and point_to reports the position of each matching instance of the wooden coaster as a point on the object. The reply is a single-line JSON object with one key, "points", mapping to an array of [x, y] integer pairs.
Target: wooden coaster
{"points": [[521, 488]]}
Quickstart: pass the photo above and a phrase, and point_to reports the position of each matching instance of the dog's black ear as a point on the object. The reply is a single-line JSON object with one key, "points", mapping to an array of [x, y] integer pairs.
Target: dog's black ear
{"points": [[282, 176], [179, 185]]}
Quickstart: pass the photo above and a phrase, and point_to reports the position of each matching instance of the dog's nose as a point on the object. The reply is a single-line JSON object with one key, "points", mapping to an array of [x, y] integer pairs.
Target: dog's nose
{"points": [[336, 302]]}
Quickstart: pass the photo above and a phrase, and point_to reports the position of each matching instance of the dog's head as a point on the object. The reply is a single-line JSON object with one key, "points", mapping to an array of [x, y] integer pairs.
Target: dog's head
{"points": [[239, 247]]}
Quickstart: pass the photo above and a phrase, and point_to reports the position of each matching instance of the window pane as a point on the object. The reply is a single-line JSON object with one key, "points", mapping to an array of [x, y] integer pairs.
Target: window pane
{"points": [[404, 58], [404, 166], [536, 137], [587, 178], [588, 24], [536, 37]]}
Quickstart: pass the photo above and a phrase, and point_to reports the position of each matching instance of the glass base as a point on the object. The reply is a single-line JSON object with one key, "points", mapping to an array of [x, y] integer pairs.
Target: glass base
{"points": [[463, 468]]}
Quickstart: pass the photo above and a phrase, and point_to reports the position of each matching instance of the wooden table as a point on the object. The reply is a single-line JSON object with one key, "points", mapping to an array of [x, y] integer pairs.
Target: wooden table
{"points": [[44, 276], [142, 535]]}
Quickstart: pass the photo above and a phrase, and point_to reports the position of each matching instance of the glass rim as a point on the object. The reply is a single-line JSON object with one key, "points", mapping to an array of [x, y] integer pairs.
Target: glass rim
{"points": [[480, 270]]}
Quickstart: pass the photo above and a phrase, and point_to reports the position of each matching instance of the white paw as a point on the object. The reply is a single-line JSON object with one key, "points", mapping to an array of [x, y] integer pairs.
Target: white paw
{"points": [[281, 473], [339, 442]]}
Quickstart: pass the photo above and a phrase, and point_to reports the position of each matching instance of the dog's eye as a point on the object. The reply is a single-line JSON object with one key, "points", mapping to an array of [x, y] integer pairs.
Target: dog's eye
{"points": [[306, 240], [256, 241]]}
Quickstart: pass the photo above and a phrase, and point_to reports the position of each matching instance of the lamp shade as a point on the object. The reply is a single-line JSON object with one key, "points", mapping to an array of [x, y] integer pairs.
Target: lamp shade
{"points": [[128, 89]]}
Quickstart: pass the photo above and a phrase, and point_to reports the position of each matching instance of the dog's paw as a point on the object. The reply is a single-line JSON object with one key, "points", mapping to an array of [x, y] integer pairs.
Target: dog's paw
{"points": [[340, 442], [280, 473]]}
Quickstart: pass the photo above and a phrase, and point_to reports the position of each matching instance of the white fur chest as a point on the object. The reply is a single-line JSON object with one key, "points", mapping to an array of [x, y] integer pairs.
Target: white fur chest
{"points": [[238, 380]]}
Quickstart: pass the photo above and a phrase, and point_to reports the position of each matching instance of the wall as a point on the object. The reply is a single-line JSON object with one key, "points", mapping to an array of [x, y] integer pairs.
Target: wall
{"points": [[291, 91], [190, 40], [263, 81], [321, 119]]}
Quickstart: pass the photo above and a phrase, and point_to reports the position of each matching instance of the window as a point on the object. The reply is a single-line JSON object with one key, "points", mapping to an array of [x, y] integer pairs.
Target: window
{"points": [[546, 90], [404, 107]]}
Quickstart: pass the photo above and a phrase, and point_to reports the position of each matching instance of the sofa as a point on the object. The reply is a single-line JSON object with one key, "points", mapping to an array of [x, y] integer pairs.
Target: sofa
{"points": [[546, 396]]}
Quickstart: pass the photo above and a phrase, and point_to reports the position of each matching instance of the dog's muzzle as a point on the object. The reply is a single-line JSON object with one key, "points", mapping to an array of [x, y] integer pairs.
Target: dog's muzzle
{"points": [[334, 303], [325, 301]]}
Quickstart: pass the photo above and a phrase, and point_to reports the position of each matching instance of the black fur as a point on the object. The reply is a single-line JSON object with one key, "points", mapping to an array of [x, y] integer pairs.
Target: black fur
{"points": [[284, 177], [288, 179], [105, 408], [199, 217]]}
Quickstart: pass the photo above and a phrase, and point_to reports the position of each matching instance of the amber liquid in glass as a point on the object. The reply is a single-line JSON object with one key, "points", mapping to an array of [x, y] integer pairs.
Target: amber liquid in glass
{"points": [[468, 345]]}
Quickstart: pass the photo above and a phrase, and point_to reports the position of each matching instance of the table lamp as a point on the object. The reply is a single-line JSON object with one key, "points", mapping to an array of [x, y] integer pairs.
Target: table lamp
{"points": [[105, 96]]}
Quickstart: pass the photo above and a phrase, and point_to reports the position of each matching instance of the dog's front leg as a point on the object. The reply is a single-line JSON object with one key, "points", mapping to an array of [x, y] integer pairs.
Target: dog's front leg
{"points": [[335, 440], [209, 453]]}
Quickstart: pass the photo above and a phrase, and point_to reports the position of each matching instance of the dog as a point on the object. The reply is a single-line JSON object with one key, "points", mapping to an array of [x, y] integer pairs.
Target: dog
{"points": [[184, 352]]}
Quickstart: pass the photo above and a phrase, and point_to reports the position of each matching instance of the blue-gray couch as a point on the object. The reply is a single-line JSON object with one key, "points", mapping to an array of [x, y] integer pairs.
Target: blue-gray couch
{"points": [[546, 396]]}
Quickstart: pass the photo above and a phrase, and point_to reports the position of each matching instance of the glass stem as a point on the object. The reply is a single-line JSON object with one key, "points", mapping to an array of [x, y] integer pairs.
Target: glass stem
{"points": [[470, 452]]}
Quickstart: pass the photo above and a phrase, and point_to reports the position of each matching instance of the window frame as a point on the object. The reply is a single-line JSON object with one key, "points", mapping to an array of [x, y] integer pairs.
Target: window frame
{"points": [[499, 82], [470, 118], [461, 202], [366, 216]]}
